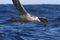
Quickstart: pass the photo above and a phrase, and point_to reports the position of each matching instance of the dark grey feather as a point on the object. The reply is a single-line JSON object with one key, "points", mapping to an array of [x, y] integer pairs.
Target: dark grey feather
{"points": [[19, 7]]}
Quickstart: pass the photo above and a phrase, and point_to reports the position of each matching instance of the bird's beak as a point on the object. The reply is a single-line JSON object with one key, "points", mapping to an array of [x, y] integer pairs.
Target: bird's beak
{"points": [[44, 20]]}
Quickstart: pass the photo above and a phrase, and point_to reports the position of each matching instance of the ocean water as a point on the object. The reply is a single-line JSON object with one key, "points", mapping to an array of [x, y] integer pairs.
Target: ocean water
{"points": [[30, 30]]}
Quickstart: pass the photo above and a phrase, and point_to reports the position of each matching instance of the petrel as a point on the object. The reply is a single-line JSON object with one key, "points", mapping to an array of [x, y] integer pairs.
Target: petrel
{"points": [[24, 16]]}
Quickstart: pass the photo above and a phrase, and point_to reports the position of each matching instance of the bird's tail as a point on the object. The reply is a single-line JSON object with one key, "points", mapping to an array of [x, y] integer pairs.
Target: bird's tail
{"points": [[44, 20]]}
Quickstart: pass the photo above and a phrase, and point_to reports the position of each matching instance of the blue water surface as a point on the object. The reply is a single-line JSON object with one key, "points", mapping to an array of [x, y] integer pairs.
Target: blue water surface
{"points": [[30, 30]]}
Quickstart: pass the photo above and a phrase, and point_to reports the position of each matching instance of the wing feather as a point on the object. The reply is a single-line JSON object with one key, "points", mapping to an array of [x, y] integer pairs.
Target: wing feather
{"points": [[19, 7]]}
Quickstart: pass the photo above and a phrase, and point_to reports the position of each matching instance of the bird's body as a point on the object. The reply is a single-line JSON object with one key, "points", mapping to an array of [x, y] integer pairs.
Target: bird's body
{"points": [[24, 16]]}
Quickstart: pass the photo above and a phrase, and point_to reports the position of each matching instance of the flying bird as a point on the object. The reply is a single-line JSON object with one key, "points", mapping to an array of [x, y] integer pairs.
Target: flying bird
{"points": [[24, 16]]}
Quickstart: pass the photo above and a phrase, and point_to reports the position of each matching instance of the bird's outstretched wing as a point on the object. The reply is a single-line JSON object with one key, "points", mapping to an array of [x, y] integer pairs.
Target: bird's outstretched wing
{"points": [[19, 7]]}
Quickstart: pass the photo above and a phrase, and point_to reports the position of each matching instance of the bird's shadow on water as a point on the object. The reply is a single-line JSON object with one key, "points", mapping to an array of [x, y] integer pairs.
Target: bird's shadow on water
{"points": [[11, 22]]}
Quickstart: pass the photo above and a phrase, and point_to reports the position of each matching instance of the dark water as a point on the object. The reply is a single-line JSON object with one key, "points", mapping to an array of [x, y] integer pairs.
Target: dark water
{"points": [[31, 30]]}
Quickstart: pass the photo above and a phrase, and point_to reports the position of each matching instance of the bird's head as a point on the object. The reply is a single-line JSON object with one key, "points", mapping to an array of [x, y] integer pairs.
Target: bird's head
{"points": [[42, 19]]}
